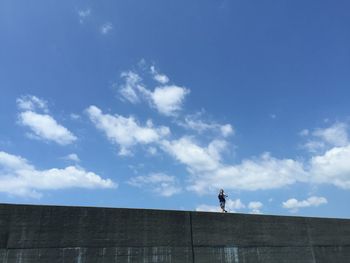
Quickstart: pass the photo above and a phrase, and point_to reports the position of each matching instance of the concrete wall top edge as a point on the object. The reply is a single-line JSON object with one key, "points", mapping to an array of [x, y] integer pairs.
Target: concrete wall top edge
{"points": [[175, 211]]}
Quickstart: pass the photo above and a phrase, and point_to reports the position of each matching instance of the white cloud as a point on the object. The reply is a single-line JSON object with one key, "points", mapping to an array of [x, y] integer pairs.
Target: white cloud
{"points": [[31, 103], [167, 100], [226, 130], [125, 132], [336, 135], [333, 136], [267, 172], [314, 146], [45, 127], [162, 184], [83, 14], [208, 172], [293, 204], [234, 205], [42, 126], [255, 207], [161, 78], [19, 177], [106, 28], [262, 173], [333, 167], [72, 157], [195, 157]]}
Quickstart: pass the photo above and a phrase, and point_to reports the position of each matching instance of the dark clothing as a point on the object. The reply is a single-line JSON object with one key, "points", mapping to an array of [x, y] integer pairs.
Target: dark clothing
{"points": [[222, 197], [222, 201]]}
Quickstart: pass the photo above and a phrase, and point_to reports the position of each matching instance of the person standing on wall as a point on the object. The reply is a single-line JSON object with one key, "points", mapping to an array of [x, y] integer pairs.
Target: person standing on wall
{"points": [[222, 199]]}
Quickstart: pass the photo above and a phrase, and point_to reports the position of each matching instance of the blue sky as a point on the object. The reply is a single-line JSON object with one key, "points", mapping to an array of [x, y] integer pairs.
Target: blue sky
{"points": [[159, 104]]}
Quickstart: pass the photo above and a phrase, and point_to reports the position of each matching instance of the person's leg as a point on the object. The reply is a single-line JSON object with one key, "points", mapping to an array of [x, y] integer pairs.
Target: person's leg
{"points": [[222, 205]]}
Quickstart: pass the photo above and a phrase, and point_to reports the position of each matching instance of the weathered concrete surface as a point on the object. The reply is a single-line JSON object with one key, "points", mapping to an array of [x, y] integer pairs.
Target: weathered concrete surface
{"points": [[54, 234]]}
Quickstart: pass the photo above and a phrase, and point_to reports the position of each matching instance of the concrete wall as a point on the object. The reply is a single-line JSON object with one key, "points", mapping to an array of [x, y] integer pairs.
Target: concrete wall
{"points": [[53, 234]]}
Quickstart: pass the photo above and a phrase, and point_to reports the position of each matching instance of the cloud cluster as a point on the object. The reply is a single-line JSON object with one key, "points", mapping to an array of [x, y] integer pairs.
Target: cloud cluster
{"points": [[205, 162], [166, 99], [18, 177], [206, 165], [42, 125], [294, 205], [209, 172]]}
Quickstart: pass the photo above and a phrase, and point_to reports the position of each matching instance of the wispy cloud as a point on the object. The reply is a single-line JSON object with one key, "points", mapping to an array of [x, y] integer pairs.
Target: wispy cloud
{"points": [[72, 157], [161, 78], [106, 28], [31, 103], [159, 183], [294, 205], [129, 90], [83, 15], [19, 177], [194, 122], [324, 138], [74, 116], [273, 116]]}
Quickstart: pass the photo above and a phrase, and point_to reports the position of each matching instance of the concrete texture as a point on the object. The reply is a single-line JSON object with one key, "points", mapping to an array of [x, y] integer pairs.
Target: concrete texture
{"points": [[34, 234]]}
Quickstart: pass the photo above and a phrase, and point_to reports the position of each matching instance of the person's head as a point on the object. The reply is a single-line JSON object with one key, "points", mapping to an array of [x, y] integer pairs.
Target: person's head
{"points": [[221, 191]]}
